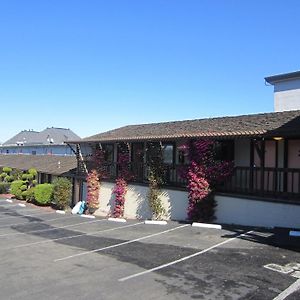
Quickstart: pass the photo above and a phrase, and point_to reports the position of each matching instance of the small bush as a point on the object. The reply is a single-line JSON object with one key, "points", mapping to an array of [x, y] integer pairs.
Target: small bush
{"points": [[34, 182], [17, 174], [3, 175], [43, 193], [24, 176], [4, 187], [9, 178], [30, 177], [23, 187], [15, 188], [62, 191], [7, 170], [28, 195], [32, 172]]}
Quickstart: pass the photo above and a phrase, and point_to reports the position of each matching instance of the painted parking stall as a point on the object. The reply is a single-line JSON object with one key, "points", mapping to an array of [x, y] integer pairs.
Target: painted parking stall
{"points": [[171, 261]]}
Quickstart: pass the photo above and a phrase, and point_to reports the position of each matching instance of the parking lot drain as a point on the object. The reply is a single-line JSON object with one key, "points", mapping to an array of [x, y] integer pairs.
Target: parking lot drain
{"points": [[88, 216], [9, 200], [206, 225], [62, 212], [117, 220], [22, 205], [155, 222]]}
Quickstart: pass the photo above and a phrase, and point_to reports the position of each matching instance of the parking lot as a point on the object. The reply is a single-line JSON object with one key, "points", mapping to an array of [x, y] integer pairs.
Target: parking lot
{"points": [[45, 255]]}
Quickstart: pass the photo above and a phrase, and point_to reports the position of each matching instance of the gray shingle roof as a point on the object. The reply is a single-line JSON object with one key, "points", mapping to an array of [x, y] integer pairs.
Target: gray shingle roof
{"points": [[281, 77], [49, 164], [55, 136], [245, 125]]}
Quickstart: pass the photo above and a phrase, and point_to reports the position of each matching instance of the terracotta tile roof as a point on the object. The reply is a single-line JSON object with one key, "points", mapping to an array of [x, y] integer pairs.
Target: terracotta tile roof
{"points": [[239, 126], [49, 164]]}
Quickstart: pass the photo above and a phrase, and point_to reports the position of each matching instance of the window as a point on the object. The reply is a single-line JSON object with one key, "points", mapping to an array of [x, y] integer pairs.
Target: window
{"points": [[224, 150], [168, 154], [108, 152]]}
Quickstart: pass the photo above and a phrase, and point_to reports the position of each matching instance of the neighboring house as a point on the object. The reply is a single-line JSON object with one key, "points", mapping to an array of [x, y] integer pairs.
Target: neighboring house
{"points": [[48, 167], [265, 148], [47, 142]]}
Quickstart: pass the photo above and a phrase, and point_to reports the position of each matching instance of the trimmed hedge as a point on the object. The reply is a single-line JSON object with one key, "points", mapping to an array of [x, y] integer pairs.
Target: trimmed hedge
{"points": [[15, 188], [43, 193], [28, 194]]}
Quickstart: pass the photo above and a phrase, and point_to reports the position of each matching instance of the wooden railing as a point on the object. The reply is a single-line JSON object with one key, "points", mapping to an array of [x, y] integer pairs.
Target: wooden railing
{"points": [[265, 182], [140, 172], [272, 182]]}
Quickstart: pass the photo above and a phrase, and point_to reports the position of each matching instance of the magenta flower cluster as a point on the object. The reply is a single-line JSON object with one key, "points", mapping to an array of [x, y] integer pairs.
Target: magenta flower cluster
{"points": [[92, 189], [120, 189], [204, 173]]}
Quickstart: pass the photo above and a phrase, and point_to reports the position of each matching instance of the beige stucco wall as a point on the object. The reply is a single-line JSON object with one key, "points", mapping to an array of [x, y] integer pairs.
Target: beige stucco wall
{"points": [[136, 205], [231, 210], [287, 95]]}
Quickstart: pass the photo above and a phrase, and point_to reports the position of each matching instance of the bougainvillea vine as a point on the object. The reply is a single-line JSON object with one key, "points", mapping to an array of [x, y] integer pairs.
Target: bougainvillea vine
{"points": [[93, 188], [203, 174], [124, 174]]}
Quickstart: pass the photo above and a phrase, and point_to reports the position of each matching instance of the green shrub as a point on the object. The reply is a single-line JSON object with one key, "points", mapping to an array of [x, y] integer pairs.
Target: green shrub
{"points": [[4, 187], [15, 188], [62, 192], [28, 195], [32, 172], [34, 182], [30, 177], [24, 176], [17, 174], [9, 178], [7, 170], [23, 187], [43, 193], [3, 175]]}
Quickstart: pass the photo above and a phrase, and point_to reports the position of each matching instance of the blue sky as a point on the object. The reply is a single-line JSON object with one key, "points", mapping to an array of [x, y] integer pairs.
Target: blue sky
{"points": [[96, 65]]}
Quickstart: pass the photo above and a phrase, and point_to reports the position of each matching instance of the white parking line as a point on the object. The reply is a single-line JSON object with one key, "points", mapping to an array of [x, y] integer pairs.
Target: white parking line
{"points": [[183, 258], [49, 229], [120, 244], [33, 222], [31, 215], [71, 236], [20, 209], [291, 289]]}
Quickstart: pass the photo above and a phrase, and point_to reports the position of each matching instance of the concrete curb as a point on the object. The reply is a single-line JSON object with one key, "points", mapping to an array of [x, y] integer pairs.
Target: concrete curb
{"points": [[120, 220], [155, 222], [206, 225], [88, 216]]}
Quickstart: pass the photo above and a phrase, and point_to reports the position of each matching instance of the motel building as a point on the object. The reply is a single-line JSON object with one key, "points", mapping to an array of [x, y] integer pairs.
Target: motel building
{"points": [[263, 190]]}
